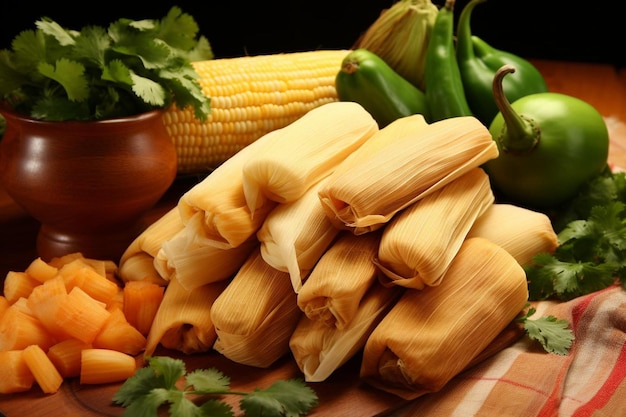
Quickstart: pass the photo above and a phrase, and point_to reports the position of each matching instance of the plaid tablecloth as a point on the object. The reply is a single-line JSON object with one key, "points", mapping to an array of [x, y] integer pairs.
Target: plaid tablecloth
{"points": [[522, 380]]}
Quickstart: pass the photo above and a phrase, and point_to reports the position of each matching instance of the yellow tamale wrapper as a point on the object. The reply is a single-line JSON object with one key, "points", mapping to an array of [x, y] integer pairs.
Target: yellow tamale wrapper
{"points": [[333, 291], [370, 193], [304, 152], [256, 314], [431, 335], [319, 349], [295, 235], [524, 233], [419, 243]]}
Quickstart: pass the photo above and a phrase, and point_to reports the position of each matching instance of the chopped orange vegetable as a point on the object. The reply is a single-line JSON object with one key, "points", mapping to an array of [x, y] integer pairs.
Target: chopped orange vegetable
{"points": [[60, 261], [22, 305], [81, 316], [41, 270], [141, 302], [44, 302], [118, 334], [84, 276], [19, 330], [4, 305], [117, 301], [47, 376], [66, 356], [15, 376], [102, 366], [18, 284]]}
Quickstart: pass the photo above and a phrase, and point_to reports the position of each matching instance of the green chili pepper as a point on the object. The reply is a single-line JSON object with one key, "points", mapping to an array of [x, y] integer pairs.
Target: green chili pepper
{"points": [[368, 80], [478, 63], [550, 145], [445, 96]]}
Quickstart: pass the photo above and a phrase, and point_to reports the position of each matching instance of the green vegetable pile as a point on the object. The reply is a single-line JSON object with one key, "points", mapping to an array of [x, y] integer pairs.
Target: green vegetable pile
{"points": [[53, 73], [156, 385]]}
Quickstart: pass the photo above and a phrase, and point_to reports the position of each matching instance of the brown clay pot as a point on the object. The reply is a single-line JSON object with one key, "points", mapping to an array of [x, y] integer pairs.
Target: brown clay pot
{"points": [[87, 183]]}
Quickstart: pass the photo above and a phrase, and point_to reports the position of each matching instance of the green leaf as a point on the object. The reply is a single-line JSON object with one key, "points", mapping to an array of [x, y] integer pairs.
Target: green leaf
{"points": [[29, 48], [117, 71], [148, 90], [215, 408], [553, 334], [283, 398], [70, 75], [208, 381], [178, 29], [92, 45], [168, 370], [52, 28]]}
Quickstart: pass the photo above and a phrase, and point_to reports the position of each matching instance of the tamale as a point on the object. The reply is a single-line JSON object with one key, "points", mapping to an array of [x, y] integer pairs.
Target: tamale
{"points": [[419, 243], [522, 232], [295, 235], [196, 262], [370, 193], [137, 261], [183, 320], [431, 335], [256, 314], [304, 152], [319, 349], [335, 287]]}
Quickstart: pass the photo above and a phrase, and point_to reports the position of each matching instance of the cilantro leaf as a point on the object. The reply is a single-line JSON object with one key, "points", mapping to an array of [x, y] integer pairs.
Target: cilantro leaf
{"points": [[70, 75], [553, 334], [208, 381], [283, 398], [52, 28]]}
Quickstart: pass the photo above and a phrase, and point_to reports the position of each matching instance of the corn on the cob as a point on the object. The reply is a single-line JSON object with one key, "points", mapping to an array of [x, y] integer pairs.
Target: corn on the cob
{"points": [[302, 153], [431, 335], [295, 235], [335, 287], [137, 263], [320, 349], [183, 321], [250, 96], [370, 193], [522, 232], [256, 314], [419, 243]]}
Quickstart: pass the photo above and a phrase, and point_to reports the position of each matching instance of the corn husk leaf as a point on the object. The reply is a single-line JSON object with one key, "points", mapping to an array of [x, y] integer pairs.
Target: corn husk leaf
{"points": [[319, 349], [419, 243], [334, 289], [367, 195], [302, 153], [256, 314], [431, 335]]}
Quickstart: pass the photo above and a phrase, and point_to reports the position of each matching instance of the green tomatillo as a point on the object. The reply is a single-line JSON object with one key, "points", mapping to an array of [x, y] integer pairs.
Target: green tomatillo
{"points": [[550, 144]]}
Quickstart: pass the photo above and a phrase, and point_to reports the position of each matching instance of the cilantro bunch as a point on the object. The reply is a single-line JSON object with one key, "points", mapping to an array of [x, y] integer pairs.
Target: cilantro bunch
{"points": [[57, 74], [156, 385], [592, 243]]}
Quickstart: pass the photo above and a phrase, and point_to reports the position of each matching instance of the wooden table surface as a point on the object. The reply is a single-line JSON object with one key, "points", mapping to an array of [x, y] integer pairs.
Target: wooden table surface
{"points": [[601, 85]]}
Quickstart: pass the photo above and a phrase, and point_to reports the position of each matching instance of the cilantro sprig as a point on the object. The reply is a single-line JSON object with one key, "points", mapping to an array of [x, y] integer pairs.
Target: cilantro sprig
{"points": [[592, 244], [54, 73], [552, 333], [157, 384]]}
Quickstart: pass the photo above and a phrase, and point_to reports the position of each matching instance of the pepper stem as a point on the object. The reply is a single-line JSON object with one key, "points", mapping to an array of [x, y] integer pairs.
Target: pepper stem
{"points": [[520, 134]]}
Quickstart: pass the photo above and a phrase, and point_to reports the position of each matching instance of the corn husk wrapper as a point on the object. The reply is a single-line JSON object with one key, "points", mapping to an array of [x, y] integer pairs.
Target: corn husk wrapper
{"points": [[256, 314], [400, 36], [522, 232], [370, 193], [319, 349], [419, 243], [137, 263], [431, 335], [295, 235], [197, 262], [334, 289], [302, 153], [183, 320]]}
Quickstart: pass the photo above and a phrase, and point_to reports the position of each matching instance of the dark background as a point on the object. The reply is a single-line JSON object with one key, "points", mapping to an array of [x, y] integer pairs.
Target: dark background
{"points": [[550, 29]]}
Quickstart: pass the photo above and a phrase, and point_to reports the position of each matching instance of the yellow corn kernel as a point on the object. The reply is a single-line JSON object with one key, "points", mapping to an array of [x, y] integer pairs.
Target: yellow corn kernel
{"points": [[250, 96]]}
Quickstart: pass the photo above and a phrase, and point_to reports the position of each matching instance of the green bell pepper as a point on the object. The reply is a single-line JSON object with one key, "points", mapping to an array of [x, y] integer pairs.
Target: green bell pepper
{"points": [[550, 145], [478, 62]]}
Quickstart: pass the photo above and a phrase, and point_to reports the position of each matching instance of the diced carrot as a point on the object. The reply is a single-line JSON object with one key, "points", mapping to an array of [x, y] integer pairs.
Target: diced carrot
{"points": [[41, 270], [118, 334], [117, 301], [47, 376], [15, 376], [59, 261], [94, 284], [45, 301], [18, 284], [81, 316], [103, 366], [22, 305], [66, 356], [19, 330], [141, 302], [69, 272], [4, 305]]}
